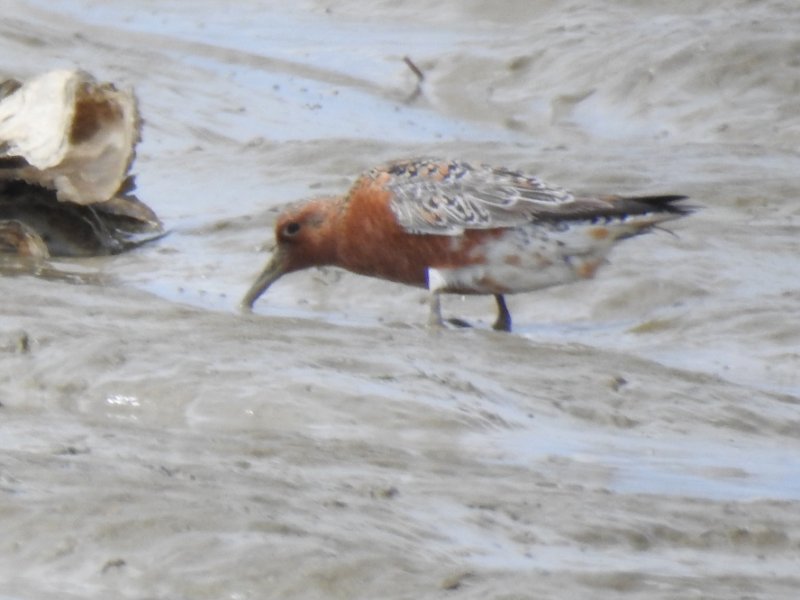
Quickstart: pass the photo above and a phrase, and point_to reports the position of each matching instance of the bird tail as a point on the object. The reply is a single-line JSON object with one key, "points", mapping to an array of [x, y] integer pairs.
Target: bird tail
{"points": [[658, 204], [631, 216]]}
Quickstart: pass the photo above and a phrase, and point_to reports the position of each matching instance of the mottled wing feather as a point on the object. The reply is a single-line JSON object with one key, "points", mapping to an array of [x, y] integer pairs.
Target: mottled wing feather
{"points": [[447, 197]]}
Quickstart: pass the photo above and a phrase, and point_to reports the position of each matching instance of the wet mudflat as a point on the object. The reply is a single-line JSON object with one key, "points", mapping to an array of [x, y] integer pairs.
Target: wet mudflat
{"points": [[637, 435]]}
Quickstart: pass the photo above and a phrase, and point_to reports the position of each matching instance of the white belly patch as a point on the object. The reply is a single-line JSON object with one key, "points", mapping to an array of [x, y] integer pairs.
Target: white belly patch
{"points": [[526, 259]]}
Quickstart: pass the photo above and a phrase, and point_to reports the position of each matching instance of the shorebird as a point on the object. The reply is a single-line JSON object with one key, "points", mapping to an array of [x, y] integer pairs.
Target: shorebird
{"points": [[455, 228], [17, 238]]}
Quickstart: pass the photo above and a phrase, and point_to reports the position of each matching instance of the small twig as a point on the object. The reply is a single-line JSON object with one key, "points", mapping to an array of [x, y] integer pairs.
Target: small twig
{"points": [[420, 78], [414, 69]]}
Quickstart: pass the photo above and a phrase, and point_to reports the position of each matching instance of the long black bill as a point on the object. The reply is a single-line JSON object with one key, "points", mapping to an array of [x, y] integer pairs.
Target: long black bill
{"points": [[272, 272]]}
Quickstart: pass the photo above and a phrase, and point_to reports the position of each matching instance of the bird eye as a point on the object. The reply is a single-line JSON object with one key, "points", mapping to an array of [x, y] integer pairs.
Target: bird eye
{"points": [[291, 229]]}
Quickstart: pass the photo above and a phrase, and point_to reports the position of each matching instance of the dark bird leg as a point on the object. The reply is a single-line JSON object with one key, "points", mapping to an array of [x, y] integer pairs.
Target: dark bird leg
{"points": [[503, 322], [435, 316]]}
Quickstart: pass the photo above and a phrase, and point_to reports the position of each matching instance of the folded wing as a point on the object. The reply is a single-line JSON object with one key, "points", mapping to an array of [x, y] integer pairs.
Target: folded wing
{"points": [[447, 197]]}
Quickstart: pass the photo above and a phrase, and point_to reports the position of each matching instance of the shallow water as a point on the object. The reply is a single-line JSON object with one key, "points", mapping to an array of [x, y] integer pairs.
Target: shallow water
{"points": [[637, 435]]}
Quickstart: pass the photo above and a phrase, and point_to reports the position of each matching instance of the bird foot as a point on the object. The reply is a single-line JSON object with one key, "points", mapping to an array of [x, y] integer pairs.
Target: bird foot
{"points": [[502, 323], [460, 323]]}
